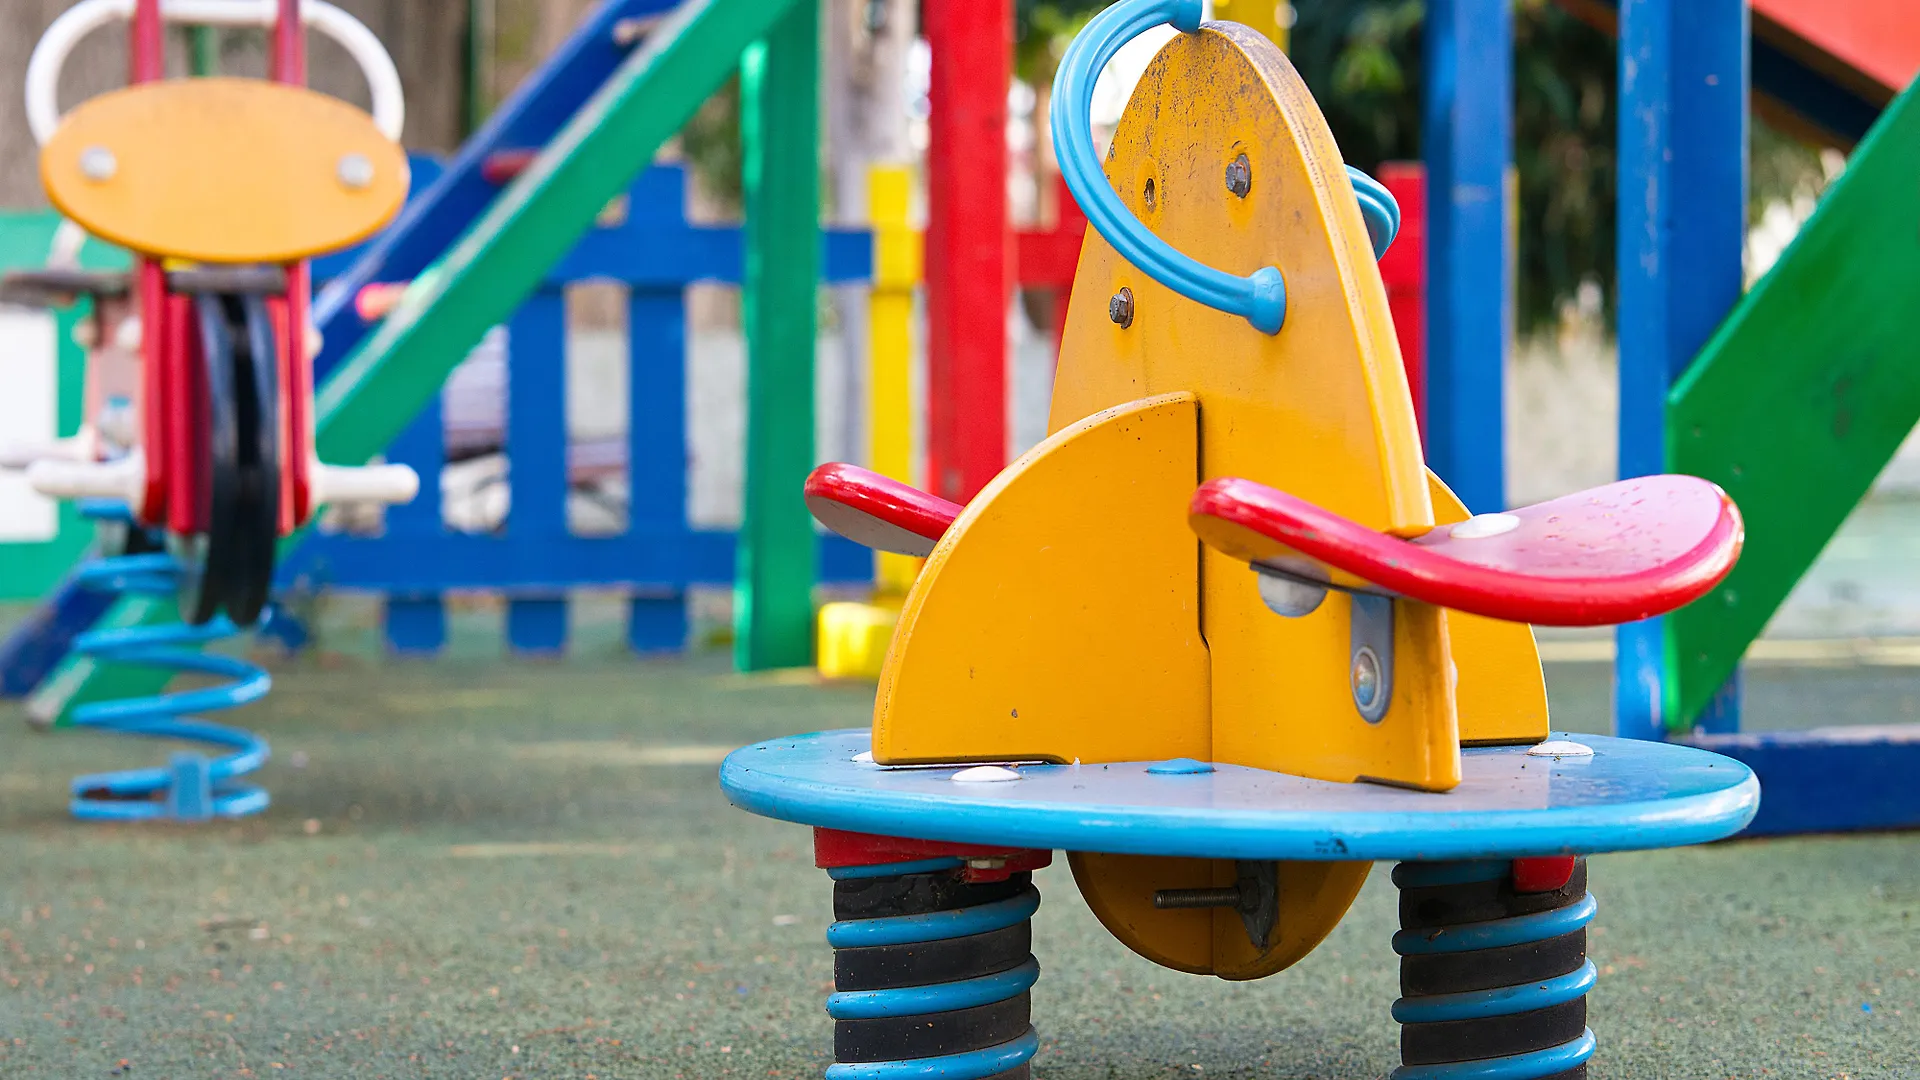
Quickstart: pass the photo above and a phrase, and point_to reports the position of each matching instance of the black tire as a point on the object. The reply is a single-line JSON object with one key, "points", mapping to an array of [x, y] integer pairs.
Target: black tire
{"points": [[235, 563]]}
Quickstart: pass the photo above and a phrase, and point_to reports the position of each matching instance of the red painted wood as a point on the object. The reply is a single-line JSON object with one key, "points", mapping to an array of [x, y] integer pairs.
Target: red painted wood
{"points": [[288, 64], [1545, 873], [156, 389], [1047, 258], [969, 249], [186, 420], [1404, 271], [877, 511], [503, 165], [1614, 554], [146, 44], [834, 849]]}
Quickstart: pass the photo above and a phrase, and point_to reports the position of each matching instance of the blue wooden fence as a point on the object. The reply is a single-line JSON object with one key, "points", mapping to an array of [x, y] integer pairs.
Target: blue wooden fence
{"points": [[536, 560]]}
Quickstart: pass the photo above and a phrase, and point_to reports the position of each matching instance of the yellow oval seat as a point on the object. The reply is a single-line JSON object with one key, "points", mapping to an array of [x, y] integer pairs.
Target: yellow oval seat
{"points": [[224, 170]]}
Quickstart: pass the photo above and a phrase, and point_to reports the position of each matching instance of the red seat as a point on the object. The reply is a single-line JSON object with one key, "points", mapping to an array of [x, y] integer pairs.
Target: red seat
{"points": [[881, 513], [1614, 554]]}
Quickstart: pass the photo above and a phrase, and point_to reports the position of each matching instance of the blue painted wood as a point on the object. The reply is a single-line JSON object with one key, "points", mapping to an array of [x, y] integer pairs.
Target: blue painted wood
{"points": [[646, 562], [41, 641], [536, 446], [1629, 795], [657, 456], [414, 626], [1468, 124], [1830, 779], [536, 110], [1682, 231]]}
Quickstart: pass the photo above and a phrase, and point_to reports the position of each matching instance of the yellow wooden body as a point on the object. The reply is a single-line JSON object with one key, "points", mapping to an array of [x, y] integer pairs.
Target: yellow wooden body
{"points": [[224, 171], [1064, 617], [1058, 618]]}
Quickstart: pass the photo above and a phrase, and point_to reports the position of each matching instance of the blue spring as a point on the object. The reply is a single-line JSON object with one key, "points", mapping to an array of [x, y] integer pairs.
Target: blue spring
{"points": [[939, 997], [1501, 1001], [191, 787]]}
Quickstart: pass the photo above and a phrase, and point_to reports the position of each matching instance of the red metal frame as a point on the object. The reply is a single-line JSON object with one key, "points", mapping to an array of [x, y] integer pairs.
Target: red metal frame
{"points": [[174, 424], [1046, 259], [969, 249], [834, 849]]}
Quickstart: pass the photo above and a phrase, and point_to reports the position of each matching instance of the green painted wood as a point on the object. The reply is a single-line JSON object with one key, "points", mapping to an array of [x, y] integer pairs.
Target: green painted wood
{"points": [[29, 569], [1802, 397], [379, 389], [384, 384], [780, 138]]}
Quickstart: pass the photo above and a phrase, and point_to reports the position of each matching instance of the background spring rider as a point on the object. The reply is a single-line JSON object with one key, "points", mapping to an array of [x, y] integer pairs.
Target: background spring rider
{"points": [[1087, 663], [223, 188]]}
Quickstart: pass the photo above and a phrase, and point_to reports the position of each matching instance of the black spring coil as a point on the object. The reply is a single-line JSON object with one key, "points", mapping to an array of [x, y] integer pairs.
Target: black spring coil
{"points": [[1493, 981], [931, 974]]}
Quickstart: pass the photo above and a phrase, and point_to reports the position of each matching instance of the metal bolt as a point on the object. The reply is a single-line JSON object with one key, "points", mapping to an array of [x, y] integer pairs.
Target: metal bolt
{"points": [[1240, 176], [98, 164], [1366, 677], [1120, 308], [1146, 193], [1230, 896], [354, 171], [988, 863]]}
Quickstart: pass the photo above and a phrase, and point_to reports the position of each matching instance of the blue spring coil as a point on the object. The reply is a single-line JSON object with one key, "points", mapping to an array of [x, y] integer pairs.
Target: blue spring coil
{"points": [[192, 787], [939, 997], [1502, 1001]]}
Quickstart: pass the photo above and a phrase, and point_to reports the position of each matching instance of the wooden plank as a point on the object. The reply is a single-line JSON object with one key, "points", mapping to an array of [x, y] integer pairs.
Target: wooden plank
{"points": [[1802, 396], [969, 263], [537, 457], [780, 139], [657, 455], [1468, 119]]}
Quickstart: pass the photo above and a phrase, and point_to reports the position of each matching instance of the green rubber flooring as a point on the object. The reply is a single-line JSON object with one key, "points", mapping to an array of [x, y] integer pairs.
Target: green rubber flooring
{"points": [[486, 868]]}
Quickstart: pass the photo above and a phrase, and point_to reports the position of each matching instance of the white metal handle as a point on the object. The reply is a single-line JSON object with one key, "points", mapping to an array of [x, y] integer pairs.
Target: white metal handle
{"points": [[50, 55]]}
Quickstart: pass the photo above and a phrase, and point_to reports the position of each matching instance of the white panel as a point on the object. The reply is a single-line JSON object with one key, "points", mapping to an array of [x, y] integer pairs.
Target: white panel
{"points": [[29, 404]]}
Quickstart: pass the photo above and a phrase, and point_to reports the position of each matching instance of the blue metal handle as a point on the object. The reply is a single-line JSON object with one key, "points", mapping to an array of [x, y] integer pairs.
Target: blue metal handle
{"points": [[1260, 297]]}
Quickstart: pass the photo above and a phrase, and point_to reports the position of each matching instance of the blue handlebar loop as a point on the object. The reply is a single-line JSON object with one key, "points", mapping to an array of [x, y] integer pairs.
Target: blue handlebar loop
{"points": [[1260, 297]]}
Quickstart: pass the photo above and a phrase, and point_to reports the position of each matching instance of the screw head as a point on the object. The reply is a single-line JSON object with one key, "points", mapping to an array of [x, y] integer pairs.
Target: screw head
{"points": [[354, 171], [1240, 176], [98, 164], [1147, 193], [1366, 678], [1120, 308]]}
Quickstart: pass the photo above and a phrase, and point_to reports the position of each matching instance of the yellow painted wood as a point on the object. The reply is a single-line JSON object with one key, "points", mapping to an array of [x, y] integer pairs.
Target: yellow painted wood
{"points": [[223, 170], [1320, 410], [896, 274], [851, 639], [1119, 889], [1502, 693], [1270, 17], [1059, 616]]}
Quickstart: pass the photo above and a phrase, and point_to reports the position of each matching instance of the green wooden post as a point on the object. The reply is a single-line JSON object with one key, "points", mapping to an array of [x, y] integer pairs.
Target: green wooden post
{"points": [[206, 50], [780, 137], [379, 388]]}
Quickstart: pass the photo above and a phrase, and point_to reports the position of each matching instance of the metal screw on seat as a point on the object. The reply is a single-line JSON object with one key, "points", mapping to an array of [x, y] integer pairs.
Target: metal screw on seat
{"points": [[1120, 308]]}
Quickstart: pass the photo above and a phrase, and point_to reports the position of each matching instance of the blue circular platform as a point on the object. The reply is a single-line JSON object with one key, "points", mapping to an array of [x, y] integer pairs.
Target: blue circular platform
{"points": [[1628, 795]]}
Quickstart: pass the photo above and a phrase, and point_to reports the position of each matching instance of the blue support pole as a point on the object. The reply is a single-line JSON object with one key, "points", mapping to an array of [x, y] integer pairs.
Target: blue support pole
{"points": [[657, 456], [537, 457], [1467, 122], [416, 623], [1682, 220]]}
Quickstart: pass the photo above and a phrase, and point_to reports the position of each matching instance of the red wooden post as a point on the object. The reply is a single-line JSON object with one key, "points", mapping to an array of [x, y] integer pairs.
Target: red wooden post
{"points": [[1047, 259], [289, 65], [969, 249], [1404, 271]]}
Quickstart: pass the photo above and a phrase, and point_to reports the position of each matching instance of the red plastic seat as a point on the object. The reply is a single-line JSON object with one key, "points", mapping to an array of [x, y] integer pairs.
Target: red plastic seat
{"points": [[1614, 554], [876, 511]]}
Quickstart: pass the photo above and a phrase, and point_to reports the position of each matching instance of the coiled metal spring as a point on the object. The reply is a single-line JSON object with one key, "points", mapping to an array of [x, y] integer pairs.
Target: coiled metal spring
{"points": [[931, 974], [192, 787], [1493, 980]]}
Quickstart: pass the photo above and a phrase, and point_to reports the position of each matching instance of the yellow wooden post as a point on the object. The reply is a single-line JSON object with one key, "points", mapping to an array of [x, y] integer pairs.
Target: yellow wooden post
{"points": [[896, 273], [853, 637], [1270, 17]]}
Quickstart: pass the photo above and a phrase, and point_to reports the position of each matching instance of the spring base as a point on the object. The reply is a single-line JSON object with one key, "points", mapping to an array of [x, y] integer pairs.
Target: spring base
{"points": [[1493, 979], [931, 973], [192, 786]]}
